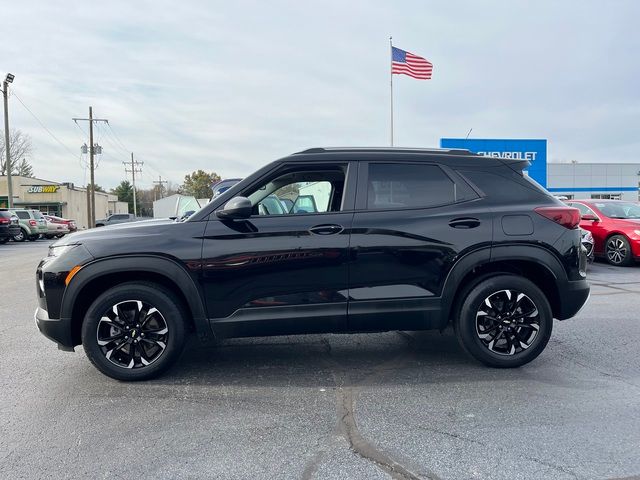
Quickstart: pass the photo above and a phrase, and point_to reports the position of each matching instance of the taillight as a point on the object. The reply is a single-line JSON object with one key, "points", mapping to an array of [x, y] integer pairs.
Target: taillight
{"points": [[568, 217], [33, 223], [4, 220]]}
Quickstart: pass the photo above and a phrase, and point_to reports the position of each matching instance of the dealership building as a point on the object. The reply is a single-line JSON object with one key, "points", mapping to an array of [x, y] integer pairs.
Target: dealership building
{"points": [[60, 199], [575, 180]]}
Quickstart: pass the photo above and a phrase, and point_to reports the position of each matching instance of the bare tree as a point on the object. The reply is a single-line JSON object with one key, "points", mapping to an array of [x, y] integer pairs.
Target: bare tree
{"points": [[21, 148]]}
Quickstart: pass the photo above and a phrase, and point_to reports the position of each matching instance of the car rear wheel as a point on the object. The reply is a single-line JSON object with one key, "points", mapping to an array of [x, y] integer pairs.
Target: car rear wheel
{"points": [[20, 237], [618, 251], [504, 321], [134, 331]]}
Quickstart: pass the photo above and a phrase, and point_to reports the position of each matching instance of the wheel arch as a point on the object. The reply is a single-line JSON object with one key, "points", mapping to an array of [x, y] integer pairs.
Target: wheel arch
{"points": [[532, 262], [100, 275]]}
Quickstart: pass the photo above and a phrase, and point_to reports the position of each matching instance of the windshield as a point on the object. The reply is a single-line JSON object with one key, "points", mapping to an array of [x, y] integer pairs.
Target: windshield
{"points": [[625, 210]]}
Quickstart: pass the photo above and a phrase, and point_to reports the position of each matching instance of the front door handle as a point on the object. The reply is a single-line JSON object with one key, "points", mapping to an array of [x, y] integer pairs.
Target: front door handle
{"points": [[464, 222], [326, 229]]}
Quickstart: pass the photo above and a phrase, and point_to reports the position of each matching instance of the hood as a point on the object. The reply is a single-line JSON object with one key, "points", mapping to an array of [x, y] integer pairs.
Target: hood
{"points": [[120, 230]]}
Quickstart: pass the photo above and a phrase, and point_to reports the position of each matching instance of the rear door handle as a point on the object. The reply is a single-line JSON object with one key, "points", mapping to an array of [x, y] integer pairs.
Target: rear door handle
{"points": [[326, 229], [464, 222]]}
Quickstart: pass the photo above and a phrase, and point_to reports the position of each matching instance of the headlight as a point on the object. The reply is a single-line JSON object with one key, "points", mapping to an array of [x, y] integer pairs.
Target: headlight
{"points": [[588, 237], [637, 232], [57, 250]]}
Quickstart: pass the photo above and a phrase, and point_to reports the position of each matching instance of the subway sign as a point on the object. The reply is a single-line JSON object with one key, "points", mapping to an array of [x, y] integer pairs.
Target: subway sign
{"points": [[533, 151], [43, 189]]}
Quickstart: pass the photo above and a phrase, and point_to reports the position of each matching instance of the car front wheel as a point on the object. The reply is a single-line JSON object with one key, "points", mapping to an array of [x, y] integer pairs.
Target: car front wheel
{"points": [[134, 331], [20, 237], [618, 251], [504, 321]]}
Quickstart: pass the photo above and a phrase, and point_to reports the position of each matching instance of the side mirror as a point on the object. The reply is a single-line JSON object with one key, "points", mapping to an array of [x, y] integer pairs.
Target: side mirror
{"points": [[237, 207], [590, 218]]}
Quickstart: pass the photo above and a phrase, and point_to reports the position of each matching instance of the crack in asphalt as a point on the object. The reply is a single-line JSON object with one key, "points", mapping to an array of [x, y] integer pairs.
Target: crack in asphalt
{"points": [[503, 450], [571, 358], [366, 450], [346, 394]]}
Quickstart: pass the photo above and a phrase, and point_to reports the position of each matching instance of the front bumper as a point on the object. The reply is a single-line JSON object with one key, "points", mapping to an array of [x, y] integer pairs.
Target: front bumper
{"points": [[58, 330], [573, 297]]}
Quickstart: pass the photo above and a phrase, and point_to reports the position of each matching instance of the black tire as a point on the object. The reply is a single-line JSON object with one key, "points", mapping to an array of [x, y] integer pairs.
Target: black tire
{"points": [[20, 237], [33, 238], [48, 236], [618, 251], [127, 295], [504, 340]]}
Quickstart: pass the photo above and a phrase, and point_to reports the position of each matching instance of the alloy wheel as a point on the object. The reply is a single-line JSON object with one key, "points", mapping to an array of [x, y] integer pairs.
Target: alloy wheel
{"points": [[507, 322], [132, 334], [616, 250]]}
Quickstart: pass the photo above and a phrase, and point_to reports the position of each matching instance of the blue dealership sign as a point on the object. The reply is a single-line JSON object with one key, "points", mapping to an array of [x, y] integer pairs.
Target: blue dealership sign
{"points": [[535, 151]]}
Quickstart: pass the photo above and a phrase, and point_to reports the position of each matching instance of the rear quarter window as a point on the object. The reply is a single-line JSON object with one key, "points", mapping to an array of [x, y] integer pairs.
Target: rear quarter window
{"points": [[505, 185]]}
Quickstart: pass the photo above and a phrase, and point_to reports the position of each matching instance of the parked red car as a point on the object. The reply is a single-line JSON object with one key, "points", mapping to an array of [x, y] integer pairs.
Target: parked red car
{"points": [[71, 224], [615, 226]]}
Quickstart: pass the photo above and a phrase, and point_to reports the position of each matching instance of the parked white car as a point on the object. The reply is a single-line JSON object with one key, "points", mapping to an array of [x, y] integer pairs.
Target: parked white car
{"points": [[55, 230]]}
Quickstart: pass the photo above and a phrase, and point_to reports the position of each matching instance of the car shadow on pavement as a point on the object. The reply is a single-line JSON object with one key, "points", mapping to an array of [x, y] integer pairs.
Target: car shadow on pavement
{"points": [[326, 360]]}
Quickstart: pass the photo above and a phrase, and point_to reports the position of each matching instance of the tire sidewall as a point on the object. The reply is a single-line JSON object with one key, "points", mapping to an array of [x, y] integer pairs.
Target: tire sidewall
{"points": [[158, 297], [465, 322]]}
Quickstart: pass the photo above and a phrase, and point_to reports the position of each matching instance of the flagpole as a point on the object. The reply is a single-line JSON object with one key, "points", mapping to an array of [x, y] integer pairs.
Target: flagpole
{"points": [[391, 85]]}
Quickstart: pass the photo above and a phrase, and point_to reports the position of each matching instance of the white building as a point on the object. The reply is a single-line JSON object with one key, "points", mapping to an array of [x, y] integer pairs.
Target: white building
{"points": [[59, 199], [594, 180]]}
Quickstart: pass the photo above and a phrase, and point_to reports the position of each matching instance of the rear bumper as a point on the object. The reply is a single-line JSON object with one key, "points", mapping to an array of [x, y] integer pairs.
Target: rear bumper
{"points": [[573, 297], [9, 231], [58, 330]]}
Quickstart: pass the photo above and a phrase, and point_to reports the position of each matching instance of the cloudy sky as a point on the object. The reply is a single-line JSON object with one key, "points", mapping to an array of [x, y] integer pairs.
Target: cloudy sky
{"points": [[229, 86]]}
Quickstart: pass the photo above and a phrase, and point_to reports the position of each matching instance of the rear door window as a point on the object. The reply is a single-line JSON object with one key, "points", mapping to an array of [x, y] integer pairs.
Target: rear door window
{"points": [[22, 215], [409, 185]]}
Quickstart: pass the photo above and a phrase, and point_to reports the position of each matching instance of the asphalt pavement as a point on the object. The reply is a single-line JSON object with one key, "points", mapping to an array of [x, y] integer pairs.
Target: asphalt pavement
{"points": [[401, 405]]}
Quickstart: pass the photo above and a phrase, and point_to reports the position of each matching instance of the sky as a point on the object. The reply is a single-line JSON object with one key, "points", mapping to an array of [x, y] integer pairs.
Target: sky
{"points": [[230, 86]]}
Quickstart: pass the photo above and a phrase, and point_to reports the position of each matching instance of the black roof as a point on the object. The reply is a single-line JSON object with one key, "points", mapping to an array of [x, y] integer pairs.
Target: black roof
{"points": [[451, 157], [439, 151]]}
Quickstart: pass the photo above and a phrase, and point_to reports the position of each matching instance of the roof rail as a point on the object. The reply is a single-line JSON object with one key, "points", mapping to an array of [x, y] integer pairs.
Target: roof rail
{"points": [[450, 151]]}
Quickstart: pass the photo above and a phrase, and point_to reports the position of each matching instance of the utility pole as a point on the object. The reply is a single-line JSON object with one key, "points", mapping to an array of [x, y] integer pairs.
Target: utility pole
{"points": [[159, 182], [91, 207], [5, 93], [133, 170]]}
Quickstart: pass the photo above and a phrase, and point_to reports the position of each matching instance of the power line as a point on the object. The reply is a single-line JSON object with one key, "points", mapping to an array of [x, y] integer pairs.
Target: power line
{"points": [[127, 151], [118, 138], [44, 126]]}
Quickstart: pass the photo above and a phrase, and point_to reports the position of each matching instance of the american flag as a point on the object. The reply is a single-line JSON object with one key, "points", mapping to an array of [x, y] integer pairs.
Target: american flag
{"points": [[409, 64]]}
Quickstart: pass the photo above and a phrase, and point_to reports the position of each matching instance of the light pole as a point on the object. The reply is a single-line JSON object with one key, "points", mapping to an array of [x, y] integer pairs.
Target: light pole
{"points": [[5, 93]]}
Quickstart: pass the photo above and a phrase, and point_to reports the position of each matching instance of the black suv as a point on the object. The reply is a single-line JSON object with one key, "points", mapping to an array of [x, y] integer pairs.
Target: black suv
{"points": [[398, 239]]}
